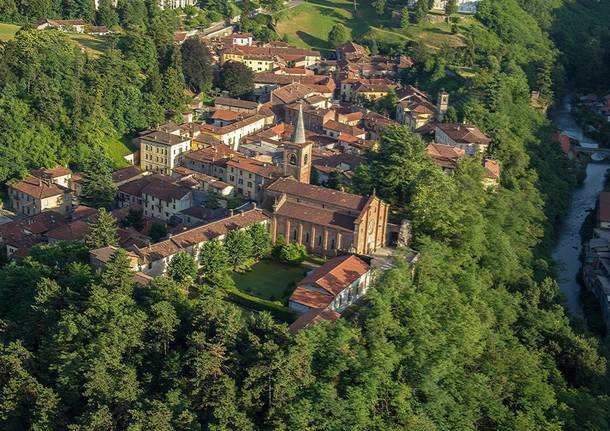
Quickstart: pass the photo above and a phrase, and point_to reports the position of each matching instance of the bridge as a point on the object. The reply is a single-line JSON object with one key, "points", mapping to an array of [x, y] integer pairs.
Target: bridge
{"points": [[602, 153]]}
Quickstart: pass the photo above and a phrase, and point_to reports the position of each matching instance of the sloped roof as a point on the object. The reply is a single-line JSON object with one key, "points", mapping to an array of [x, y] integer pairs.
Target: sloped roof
{"points": [[336, 274], [311, 317], [463, 133]]}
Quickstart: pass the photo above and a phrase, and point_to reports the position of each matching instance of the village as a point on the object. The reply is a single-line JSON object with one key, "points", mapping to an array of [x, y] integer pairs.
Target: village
{"points": [[280, 159]]}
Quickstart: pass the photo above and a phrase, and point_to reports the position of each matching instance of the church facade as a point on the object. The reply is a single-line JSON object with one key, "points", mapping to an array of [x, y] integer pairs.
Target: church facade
{"points": [[327, 222]]}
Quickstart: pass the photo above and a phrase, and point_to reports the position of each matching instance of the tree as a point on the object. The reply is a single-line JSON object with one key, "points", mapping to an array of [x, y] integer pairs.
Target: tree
{"points": [[289, 253], [379, 6], [102, 231], [239, 247], [404, 18], [118, 274], [106, 14], [261, 240], [338, 35], [213, 258], [135, 219], [421, 10], [98, 189], [182, 267], [163, 322], [196, 65], [373, 47], [236, 78], [451, 7], [157, 231]]}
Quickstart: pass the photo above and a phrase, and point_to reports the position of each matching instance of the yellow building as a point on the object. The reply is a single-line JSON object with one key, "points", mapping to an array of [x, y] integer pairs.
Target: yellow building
{"points": [[160, 152]]}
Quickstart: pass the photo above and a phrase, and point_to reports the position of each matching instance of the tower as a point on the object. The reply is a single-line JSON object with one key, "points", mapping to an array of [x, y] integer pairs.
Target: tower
{"points": [[297, 152], [442, 104]]}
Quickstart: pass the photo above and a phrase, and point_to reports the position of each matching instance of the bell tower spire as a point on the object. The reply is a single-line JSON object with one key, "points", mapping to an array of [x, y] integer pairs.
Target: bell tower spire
{"points": [[298, 134]]}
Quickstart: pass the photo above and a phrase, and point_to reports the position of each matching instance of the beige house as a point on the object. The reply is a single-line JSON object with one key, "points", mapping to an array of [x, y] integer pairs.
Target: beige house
{"points": [[42, 190], [160, 152], [465, 136]]}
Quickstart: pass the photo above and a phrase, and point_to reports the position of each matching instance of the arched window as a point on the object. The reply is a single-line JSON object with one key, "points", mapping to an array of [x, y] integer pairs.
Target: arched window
{"points": [[306, 237], [292, 159], [294, 235], [305, 159]]}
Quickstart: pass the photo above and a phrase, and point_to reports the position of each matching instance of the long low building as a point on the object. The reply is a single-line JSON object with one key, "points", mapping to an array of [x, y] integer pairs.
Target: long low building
{"points": [[154, 259]]}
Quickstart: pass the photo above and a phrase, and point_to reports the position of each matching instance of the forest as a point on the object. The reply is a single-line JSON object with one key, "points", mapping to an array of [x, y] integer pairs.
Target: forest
{"points": [[477, 339]]}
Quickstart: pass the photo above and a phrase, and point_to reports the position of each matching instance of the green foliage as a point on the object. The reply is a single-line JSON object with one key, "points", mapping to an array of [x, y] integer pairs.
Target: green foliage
{"points": [[213, 259], [106, 14], [240, 247], [261, 240], [289, 253], [98, 189], [157, 231], [404, 18], [236, 78], [134, 219], [338, 35], [182, 267], [278, 311], [451, 7], [102, 230], [379, 6], [196, 65]]}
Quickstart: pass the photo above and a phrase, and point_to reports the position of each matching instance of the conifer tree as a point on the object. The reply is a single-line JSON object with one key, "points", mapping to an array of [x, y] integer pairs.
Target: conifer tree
{"points": [[102, 231], [98, 189]]}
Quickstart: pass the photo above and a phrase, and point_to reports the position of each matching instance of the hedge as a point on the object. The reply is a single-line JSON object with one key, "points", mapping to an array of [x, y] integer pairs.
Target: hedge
{"points": [[280, 312]]}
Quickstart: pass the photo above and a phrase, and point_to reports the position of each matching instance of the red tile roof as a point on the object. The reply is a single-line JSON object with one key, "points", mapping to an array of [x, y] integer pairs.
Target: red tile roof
{"points": [[319, 216], [224, 115], [311, 317], [463, 133], [39, 189], [336, 274], [292, 187]]}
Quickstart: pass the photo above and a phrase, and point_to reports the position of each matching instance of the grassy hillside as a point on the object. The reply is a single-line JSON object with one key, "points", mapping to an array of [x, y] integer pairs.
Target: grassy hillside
{"points": [[308, 24], [7, 31], [95, 45]]}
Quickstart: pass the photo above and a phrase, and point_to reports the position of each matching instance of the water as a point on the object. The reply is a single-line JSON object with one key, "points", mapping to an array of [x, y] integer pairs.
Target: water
{"points": [[568, 248]]}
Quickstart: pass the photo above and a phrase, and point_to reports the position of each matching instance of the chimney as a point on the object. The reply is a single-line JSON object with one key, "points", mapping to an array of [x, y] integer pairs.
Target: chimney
{"points": [[231, 212], [253, 205]]}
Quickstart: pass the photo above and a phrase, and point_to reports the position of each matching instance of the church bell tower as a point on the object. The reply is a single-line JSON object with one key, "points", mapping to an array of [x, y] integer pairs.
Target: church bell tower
{"points": [[297, 152]]}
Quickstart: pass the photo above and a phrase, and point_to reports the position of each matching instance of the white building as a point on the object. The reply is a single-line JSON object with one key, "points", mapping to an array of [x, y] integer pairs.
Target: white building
{"points": [[335, 285]]}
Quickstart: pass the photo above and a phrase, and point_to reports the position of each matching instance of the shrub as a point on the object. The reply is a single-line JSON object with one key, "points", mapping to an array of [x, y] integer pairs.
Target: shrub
{"points": [[290, 254]]}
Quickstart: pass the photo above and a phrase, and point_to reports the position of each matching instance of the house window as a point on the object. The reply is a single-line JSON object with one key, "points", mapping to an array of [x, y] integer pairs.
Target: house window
{"points": [[307, 237], [319, 240], [249, 183], [332, 244], [305, 159], [294, 235], [292, 159]]}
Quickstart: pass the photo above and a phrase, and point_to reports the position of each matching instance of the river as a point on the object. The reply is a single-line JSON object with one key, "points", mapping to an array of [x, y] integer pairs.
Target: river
{"points": [[567, 251]]}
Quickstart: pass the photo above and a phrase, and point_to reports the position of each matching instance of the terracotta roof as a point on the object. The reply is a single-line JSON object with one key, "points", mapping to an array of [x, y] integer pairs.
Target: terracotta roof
{"points": [[224, 115], [336, 274], [320, 216], [292, 187], [463, 133], [257, 167], [237, 103], [210, 154], [136, 187], [310, 298], [440, 150], [343, 128], [163, 138], [126, 173], [38, 188], [221, 130], [165, 191], [286, 53], [311, 317], [73, 231], [603, 213], [180, 36], [336, 160], [274, 78], [200, 177], [56, 172], [492, 168], [292, 92], [36, 224], [200, 234]]}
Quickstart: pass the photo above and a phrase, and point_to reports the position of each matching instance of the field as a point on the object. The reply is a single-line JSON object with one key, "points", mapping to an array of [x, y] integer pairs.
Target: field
{"points": [[117, 150], [94, 45], [7, 31], [308, 24], [270, 280]]}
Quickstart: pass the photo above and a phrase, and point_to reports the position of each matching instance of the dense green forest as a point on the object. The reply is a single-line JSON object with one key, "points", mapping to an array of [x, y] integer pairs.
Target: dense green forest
{"points": [[477, 339]]}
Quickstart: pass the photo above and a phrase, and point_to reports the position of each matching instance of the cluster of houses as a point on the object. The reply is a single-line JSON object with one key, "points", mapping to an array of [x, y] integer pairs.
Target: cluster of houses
{"points": [[275, 153], [596, 266], [599, 105]]}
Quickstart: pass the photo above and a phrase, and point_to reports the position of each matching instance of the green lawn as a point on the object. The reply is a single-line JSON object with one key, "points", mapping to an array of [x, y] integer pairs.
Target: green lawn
{"points": [[94, 44], [7, 31], [117, 150], [308, 24], [271, 280]]}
